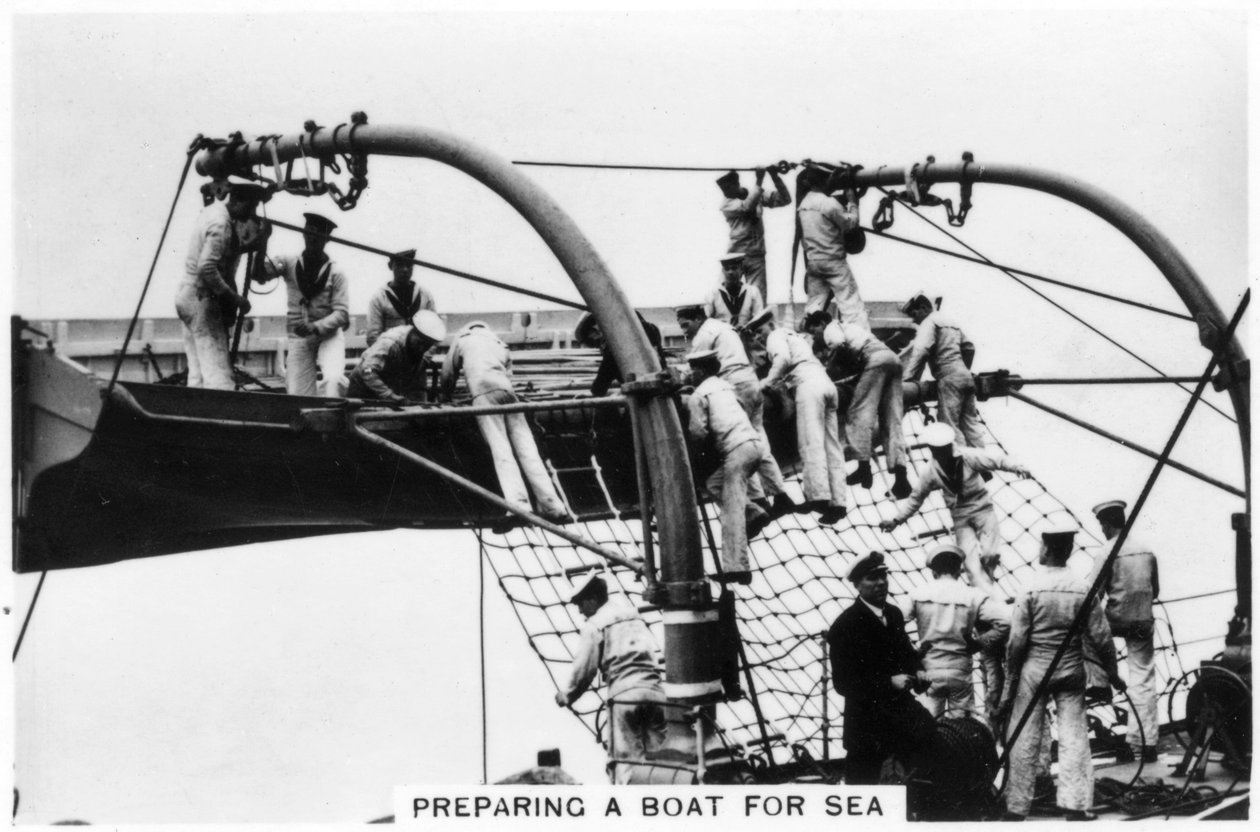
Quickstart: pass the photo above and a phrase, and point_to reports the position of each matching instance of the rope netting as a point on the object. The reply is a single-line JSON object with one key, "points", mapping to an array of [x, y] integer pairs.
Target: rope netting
{"points": [[797, 591]]}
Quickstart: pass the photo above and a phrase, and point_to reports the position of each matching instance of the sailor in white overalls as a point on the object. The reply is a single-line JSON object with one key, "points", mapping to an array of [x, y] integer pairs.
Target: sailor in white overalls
{"points": [[487, 364]]}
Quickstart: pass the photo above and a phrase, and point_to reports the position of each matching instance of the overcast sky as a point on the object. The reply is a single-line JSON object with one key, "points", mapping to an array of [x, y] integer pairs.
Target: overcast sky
{"points": [[251, 684]]}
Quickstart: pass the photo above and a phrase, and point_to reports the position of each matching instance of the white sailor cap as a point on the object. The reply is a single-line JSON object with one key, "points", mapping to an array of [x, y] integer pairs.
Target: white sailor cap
{"points": [[732, 257], [429, 324], [586, 584], [1115, 504], [938, 435], [945, 551]]}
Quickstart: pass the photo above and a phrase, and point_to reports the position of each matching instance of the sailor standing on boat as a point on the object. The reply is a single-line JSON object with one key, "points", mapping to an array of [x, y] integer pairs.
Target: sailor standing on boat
{"points": [[717, 421], [209, 284], [824, 217], [392, 369], [947, 612], [734, 301], [792, 363], [742, 209], [399, 300], [877, 405], [956, 473], [487, 364], [1131, 586], [706, 333], [318, 313], [616, 643], [1042, 616], [940, 344]]}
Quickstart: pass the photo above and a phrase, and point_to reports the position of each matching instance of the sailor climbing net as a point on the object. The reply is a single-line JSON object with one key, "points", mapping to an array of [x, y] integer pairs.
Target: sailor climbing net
{"points": [[798, 589]]}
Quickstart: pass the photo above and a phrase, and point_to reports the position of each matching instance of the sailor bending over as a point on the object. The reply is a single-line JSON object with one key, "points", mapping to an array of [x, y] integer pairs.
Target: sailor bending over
{"points": [[792, 363], [487, 363], [392, 369]]}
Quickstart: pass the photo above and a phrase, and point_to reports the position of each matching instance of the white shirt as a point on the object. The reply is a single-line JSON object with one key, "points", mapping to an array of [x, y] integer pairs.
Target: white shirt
{"points": [[721, 337], [792, 358], [823, 223], [485, 360]]}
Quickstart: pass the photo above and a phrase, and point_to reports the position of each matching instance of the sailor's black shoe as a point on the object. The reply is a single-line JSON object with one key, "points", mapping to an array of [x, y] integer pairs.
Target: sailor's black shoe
{"points": [[862, 476], [1079, 814], [901, 486], [783, 504], [833, 514]]}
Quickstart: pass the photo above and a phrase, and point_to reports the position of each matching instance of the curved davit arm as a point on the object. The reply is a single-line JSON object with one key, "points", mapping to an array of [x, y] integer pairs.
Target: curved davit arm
{"points": [[662, 436], [1156, 246]]}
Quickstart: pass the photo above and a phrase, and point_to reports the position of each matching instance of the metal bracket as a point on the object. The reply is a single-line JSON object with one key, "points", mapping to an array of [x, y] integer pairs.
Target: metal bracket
{"points": [[680, 594], [1232, 374], [659, 384], [996, 383]]}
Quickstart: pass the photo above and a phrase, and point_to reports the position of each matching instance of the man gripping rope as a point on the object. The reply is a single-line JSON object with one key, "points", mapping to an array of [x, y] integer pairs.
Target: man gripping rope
{"points": [[742, 209], [318, 312], [824, 218], [940, 344]]}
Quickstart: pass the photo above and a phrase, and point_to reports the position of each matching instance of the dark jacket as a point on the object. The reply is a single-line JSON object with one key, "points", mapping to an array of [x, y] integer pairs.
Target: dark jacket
{"points": [[608, 369], [865, 655]]}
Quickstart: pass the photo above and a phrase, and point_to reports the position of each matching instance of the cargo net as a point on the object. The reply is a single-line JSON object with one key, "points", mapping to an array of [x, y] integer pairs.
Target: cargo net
{"points": [[797, 591]]}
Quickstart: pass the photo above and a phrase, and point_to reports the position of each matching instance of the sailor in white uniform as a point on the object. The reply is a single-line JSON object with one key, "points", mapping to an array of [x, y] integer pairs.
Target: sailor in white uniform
{"points": [[615, 643], [792, 363], [824, 218], [706, 333], [1043, 613], [716, 419], [955, 472], [318, 312], [1131, 587], [940, 344], [208, 287], [878, 404], [947, 613], [487, 364], [399, 300], [741, 207]]}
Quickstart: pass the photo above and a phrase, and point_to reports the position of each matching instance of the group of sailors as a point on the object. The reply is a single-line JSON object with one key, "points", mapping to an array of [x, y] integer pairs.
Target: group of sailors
{"points": [[739, 357], [403, 328]]}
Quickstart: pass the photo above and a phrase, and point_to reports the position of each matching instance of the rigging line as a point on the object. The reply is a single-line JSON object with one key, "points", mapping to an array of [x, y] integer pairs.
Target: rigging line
{"points": [[444, 269], [1196, 597], [29, 610], [481, 619], [1120, 440], [596, 166], [1059, 306], [1112, 380], [1032, 275], [131, 328], [1091, 597]]}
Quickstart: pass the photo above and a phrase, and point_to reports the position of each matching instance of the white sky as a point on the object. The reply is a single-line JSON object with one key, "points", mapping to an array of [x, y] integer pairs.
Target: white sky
{"points": [[301, 681]]}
